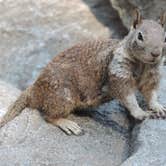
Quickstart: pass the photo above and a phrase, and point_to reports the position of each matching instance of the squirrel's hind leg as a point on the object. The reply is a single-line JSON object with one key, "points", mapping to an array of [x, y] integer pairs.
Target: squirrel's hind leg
{"points": [[68, 126]]}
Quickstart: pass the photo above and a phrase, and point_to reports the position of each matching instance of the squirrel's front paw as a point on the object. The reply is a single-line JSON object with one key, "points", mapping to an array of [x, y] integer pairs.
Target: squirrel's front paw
{"points": [[140, 115], [158, 111]]}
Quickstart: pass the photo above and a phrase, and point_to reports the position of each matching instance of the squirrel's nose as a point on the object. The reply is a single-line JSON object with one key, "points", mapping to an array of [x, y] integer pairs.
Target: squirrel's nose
{"points": [[155, 55]]}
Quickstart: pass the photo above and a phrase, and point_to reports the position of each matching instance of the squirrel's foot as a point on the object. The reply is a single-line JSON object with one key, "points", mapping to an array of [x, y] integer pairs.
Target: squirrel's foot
{"points": [[158, 111], [140, 115], [69, 127]]}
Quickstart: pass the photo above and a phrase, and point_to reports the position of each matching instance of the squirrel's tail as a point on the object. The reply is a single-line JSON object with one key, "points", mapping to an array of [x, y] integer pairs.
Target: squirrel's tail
{"points": [[16, 108]]}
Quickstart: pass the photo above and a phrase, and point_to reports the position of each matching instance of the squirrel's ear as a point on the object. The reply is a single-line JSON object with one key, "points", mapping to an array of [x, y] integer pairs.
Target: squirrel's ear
{"points": [[137, 18], [163, 18]]}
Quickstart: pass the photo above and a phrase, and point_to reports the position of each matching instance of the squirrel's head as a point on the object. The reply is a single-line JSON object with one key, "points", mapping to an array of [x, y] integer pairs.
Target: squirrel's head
{"points": [[147, 39]]}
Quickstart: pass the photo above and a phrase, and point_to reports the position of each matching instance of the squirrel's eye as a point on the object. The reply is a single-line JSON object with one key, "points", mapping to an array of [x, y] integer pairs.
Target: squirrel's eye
{"points": [[165, 40], [140, 37]]}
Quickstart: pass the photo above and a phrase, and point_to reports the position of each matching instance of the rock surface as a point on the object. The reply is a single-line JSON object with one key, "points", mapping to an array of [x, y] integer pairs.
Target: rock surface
{"points": [[149, 144], [28, 140], [32, 32], [148, 138], [150, 9]]}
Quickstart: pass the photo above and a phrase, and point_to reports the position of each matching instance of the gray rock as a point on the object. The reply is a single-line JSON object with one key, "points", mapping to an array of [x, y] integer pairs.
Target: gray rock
{"points": [[32, 32], [149, 144], [150, 9], [148, 138], [29, 141]]}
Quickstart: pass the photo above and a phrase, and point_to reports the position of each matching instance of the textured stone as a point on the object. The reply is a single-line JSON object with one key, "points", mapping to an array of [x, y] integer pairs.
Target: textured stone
{"points": [[149, 144], [28, 140]]}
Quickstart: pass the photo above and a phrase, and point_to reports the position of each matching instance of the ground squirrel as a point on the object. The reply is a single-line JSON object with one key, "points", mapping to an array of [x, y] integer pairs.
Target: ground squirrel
{"points": [[94, 72]]}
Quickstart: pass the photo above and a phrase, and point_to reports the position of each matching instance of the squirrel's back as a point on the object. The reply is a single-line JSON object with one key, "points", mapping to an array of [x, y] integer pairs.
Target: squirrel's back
{"points": [[79, 68]]}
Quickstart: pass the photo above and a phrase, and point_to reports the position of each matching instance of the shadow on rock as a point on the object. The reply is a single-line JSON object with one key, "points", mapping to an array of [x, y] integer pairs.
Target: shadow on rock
{"points": [[104, 12]]}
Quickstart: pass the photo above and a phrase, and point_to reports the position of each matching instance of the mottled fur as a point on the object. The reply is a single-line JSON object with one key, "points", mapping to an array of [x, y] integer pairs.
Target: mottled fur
{"points": [[92, 73]]}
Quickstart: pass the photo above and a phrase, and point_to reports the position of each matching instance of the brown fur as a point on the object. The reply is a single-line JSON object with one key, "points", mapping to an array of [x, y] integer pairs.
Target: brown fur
{"points": [[72, 79], [91, 73]]}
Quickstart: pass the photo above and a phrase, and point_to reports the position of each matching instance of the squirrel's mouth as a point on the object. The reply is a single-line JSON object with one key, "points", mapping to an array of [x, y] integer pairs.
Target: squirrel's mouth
{"points": [[153, 61], [150, 61]]}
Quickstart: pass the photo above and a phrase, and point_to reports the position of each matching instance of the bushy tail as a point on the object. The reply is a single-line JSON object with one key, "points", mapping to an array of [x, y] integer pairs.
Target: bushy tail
{"points": [[16, 108]]}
